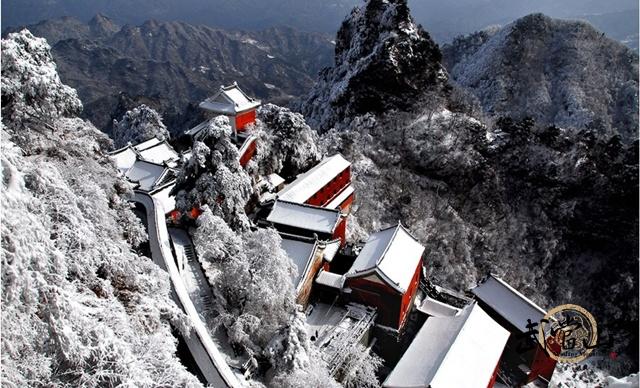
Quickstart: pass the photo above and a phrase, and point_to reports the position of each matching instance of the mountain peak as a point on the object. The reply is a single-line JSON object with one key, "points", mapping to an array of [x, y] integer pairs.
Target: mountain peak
{"points": [[383, 61], [101, 25]]}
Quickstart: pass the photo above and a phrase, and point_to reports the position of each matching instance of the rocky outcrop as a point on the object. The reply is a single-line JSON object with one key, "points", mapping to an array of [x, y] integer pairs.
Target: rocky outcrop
{"points": [[383, 61]]}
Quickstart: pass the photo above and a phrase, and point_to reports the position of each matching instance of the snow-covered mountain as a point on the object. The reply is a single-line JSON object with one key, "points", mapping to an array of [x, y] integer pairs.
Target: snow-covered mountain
{"points": [[558, 72], [81, 302], [550, 208]]}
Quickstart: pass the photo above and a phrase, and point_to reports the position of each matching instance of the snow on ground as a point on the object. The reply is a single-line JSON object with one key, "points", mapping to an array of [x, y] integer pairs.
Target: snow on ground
{"points": [[586, 375]]}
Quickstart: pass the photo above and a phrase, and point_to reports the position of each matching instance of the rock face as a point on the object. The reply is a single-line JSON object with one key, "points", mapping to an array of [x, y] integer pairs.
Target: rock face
{"points": [[383, 61], [171, 66], [558, 72]]}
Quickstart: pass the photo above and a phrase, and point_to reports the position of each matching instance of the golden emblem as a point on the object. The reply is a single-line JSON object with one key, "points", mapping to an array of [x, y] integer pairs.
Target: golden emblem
{"points": [[568, 333]]}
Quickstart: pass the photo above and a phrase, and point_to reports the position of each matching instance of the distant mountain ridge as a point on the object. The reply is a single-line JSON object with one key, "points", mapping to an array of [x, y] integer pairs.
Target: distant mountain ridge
{"points": [[172, 65], [310, 15], [443, 19]]}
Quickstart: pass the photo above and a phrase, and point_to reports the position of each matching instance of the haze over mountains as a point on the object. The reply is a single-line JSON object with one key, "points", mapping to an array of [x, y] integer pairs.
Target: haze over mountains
{"points": [[443, 19]]}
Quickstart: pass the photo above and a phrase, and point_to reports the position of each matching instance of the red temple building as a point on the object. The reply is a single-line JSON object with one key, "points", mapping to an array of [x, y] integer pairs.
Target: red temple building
{"points": [[234, 103], [386, 274], [327, 185], [247, 150]]}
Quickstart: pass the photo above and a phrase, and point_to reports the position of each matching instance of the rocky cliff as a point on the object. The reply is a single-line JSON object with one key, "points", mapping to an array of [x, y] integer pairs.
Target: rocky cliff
{"points": [[383, 61], [553, 209]]}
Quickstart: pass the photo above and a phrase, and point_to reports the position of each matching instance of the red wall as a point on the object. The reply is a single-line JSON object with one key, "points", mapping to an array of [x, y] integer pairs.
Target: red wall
{"points": [[344, 206], [248, 154], [174, 215], [307, 283], [383, 297], [331, 189], [407, 298], [244, 119], [195, 212], [542, 365], [494, 377]]}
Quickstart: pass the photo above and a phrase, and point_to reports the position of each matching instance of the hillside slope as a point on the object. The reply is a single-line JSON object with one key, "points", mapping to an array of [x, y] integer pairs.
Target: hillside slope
{"points": [[80, 306]]}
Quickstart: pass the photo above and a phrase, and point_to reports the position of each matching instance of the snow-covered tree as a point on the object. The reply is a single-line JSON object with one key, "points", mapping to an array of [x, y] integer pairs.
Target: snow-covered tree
{"points": [[213, 176], [286, 144], [252, 274], [31, 87], [252, 281], [315, 375], [360, 367], [137, 125], [79, 306]]}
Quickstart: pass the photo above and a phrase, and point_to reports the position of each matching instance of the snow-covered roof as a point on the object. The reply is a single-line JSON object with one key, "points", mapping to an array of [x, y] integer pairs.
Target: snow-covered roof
{"points": [[195, 130], [313, 218], [435, 308], [392, 253], [459, 351], [161, 194], [274, 180], [330, 279], [124, 158], [331, 249], [301, 252], [229, 100], [186, 155], [146, 174], [337, 201], [508, 302], [309, 183], [160, 153], [147, 144]]}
